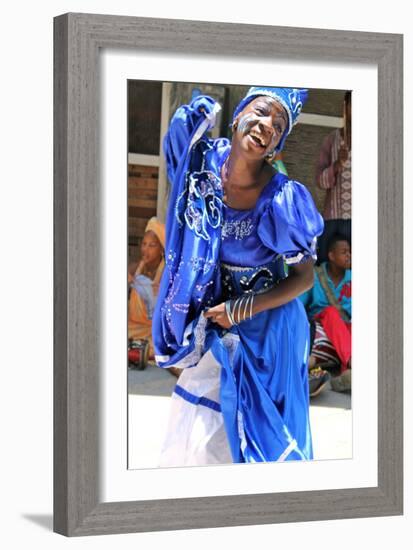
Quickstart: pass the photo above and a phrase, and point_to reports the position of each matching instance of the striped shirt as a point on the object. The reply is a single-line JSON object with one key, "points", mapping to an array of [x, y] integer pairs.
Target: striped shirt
{"points": [[338, 187]]}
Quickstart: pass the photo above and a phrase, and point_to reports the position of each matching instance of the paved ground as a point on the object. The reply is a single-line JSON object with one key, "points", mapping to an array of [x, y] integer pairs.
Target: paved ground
{"points": [[149, 395]]}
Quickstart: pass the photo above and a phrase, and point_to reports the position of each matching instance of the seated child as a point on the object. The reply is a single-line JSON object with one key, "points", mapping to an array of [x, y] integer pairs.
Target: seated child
{"points": [[328, 306]]}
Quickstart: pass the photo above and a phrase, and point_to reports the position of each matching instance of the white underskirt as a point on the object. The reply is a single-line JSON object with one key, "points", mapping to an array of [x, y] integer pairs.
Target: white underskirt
{"points": [[196, 434]]}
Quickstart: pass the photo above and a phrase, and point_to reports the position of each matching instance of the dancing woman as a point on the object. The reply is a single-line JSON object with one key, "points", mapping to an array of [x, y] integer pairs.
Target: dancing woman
{"points": [[228, 312]]}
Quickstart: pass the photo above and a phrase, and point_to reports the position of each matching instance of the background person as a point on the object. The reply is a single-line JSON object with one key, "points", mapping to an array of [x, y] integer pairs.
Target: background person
{"points": [[328, 305], [144, 283], [333, 173]]}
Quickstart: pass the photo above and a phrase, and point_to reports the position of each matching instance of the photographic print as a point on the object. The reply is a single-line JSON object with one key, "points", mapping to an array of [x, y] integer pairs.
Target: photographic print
{"points": [[96, 491], [239, 274]]}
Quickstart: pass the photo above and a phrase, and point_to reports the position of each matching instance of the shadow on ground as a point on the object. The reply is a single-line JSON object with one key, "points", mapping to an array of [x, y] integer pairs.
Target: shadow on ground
{"points": [[44, 520], [333, 399], [151, 381], [156, 381]]}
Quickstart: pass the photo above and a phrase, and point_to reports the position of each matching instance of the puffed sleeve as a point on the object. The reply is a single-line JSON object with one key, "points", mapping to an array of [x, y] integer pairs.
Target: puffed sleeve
{"points": [[187, 126], [291, 223]]}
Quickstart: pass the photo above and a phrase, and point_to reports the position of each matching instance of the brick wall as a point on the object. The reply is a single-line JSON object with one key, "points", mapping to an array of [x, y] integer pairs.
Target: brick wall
{"points": [[142, 197]]}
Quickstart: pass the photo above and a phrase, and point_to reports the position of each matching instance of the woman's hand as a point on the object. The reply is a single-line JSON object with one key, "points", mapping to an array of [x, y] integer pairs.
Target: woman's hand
{"points": [[218, 315], [343, 153]]}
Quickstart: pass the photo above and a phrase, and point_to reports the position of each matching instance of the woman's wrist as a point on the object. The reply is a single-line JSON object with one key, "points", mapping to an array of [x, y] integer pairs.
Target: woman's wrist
{"points": [[240, 309], [259, 303], [246, 306]]}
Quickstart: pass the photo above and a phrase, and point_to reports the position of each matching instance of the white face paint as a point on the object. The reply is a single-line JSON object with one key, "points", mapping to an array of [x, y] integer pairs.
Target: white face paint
{"points": [[263, 133], [246, 122]]}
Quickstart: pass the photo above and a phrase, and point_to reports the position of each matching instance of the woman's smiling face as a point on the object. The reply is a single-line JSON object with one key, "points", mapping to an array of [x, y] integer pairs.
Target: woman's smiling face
{"points": [[261, 125]]}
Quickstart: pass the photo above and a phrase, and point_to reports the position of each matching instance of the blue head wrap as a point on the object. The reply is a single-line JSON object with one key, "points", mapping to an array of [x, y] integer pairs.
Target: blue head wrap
{"points": [[292, 99]]}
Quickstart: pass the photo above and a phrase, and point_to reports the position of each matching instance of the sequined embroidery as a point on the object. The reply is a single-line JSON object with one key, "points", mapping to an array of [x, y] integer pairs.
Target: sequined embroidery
{"points": [[203, 203], [238, 229], [201, 264]]}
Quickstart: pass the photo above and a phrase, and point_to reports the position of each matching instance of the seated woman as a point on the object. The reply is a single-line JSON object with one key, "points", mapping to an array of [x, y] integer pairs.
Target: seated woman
{"points": [[144, 284]]}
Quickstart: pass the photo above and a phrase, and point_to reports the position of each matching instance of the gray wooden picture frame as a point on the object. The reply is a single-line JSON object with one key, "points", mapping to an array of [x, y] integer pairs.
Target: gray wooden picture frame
{"points": [[78, 40]]}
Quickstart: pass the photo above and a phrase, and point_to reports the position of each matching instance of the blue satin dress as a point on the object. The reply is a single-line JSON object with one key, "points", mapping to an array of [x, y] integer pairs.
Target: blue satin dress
{"points": [[243, 394]]}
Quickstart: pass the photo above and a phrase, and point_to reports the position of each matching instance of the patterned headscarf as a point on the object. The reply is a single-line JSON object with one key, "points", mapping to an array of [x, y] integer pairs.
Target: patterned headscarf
{"points": [[292, 99]]}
